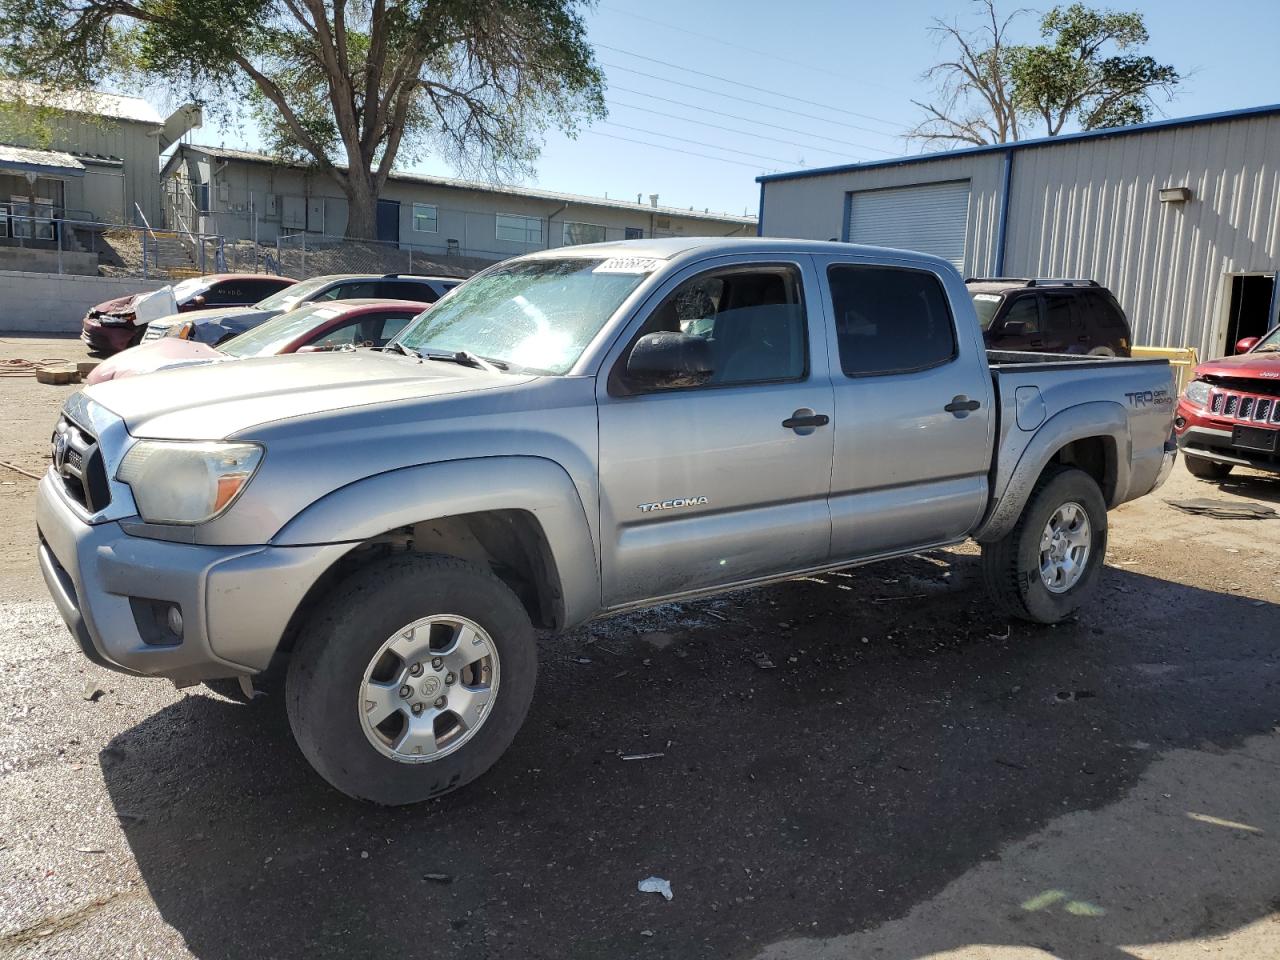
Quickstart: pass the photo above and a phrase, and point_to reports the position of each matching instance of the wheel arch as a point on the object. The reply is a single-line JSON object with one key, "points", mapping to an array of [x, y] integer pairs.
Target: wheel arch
{"points": [[519, 517], [1093, 437]]}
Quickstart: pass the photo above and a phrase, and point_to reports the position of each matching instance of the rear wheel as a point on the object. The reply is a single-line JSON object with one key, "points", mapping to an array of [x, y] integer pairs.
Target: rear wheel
{"points": [[1206, 469], [1050, 562], [412, 679], [1102, 352]]}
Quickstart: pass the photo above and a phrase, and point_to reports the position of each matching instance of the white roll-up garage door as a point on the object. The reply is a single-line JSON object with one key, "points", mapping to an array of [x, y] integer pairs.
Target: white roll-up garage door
{"points": [[928, 217]]}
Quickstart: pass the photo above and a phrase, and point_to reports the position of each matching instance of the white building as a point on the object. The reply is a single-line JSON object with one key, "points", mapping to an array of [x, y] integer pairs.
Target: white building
{"points": [[1179, 218], [245, 196]]}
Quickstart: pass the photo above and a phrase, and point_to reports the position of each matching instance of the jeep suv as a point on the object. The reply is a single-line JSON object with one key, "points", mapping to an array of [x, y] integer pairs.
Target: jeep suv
{"points": [[1050, 316]]}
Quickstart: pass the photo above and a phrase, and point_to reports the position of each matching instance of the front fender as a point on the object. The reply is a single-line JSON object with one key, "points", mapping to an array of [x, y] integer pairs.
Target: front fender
{"points": [[398, 498], [1097, 418]]}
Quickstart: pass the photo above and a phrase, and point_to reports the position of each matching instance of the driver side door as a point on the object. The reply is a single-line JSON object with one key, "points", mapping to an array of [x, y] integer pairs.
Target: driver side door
{"points": [[708, 484]]}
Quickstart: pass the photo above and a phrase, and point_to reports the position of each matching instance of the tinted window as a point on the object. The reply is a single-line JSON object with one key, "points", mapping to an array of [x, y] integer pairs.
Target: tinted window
{"points": [[752, 319], [1100, 311], [1025, 310], [889, 321], [407, 290], [227, 293], [351, 290], [1058, 313]]}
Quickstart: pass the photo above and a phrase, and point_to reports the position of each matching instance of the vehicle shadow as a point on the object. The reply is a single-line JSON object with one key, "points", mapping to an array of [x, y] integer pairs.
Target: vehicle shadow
{"points": [[833, 751], [1252, 486]]}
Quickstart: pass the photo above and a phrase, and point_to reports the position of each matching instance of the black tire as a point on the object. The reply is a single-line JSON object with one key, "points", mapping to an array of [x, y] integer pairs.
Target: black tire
{"points": [[1206, 469], [1102, 352], [341, 638], [1011, 565]]}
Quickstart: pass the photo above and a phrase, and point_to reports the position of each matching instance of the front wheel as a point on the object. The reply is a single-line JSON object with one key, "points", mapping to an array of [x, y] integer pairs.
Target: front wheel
{"points": [[1050, 562], [1206, 469], [412, 679]]}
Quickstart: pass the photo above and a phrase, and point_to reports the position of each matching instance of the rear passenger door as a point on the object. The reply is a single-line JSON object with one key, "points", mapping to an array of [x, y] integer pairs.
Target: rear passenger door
{"points": [[1062, 327], [716, 482], [913, 410]]}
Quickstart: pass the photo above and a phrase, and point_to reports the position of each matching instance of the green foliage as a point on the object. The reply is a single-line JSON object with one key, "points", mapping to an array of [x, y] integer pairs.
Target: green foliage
{"points": [[348, 85], [1088, 70], [1072, 77]]}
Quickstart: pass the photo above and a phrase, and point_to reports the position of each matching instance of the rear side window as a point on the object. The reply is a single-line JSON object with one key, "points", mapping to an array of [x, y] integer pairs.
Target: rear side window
{"points": [[1024, 309], [889, 320], [407, 290], [1102, 312], [1058, 313]]}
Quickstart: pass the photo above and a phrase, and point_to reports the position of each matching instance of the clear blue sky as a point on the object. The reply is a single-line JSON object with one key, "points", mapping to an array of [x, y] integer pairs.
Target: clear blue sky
{"points": [[851, 68]]}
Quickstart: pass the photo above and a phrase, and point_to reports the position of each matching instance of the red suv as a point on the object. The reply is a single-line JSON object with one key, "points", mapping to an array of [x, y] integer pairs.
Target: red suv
{"points": [[1050, 316], [1229, 415]]}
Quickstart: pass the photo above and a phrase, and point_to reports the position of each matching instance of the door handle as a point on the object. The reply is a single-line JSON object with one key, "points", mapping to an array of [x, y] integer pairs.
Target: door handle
{"points": [[961, 405], [805, 420]]}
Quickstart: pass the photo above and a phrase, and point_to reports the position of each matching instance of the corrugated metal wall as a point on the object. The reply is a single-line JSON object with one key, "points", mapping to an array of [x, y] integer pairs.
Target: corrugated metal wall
{"points": [[929, 217], [1091, 208], [812, 208]]}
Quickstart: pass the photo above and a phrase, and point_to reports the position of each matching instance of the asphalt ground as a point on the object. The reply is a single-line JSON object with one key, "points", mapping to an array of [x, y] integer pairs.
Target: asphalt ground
{"points": [[913, 776]]}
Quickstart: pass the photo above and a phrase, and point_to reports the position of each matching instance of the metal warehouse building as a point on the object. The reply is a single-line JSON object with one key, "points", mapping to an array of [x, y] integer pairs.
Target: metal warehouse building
{"points": [[1180, 218]]}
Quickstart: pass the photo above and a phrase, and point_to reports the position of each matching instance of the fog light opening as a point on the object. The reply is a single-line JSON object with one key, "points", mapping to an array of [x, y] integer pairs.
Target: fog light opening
{"points": [[1179, 422], [173, 620]]}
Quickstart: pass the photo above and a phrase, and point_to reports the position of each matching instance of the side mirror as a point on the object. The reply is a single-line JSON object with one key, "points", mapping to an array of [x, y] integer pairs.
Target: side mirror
{"points": [[670, 360], [1245, 345], [1015, 328]]}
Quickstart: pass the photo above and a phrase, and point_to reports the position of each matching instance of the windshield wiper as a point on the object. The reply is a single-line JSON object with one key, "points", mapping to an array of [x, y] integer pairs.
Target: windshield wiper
{"points": [[467, 360]]}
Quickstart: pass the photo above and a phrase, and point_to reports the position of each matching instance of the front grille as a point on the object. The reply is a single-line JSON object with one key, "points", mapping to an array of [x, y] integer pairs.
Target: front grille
{"points": [[78, 464], [1250, 409]]}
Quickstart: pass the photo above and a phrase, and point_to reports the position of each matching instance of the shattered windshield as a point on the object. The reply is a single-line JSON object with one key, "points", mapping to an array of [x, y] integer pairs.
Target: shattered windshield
{"points": [[536, 315]]}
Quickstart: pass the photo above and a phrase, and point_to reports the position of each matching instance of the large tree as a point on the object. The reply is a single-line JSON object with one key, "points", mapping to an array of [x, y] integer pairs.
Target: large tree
{"points": [[348, 85], [1087, 69]]}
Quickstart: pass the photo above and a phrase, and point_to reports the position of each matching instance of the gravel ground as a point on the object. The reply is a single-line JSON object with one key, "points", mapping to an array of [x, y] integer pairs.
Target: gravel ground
{"points": [[914, 777]]}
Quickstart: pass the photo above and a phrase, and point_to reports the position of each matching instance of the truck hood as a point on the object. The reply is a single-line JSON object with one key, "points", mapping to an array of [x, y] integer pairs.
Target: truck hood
{"points": [[1265, 366], [218, 400]]}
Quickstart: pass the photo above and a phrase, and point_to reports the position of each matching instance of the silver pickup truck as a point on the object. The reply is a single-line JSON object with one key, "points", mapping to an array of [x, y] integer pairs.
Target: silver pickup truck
{"points": [[568, 435]]}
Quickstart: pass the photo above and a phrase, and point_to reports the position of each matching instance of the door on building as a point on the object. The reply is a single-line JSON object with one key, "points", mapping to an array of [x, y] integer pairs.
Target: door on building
{"points": [[1249, 313], [928, 217], [389, 220]]}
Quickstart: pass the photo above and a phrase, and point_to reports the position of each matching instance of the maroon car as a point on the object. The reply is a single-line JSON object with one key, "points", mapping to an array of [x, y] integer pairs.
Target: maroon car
{"points": [[311, 328], [110, 326]]}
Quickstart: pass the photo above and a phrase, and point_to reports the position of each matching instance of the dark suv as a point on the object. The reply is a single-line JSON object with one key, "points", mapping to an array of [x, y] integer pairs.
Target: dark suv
{"points": [[1050, 316]]}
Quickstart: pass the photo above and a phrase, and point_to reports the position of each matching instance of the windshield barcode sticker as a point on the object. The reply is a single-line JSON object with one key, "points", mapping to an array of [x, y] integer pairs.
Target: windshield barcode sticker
{"points": [[627, 265]]}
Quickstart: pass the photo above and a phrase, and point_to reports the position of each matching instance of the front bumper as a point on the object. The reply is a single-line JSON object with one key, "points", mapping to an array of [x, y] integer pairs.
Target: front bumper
{"points": [[106, 338], [236, 602], [1204, 435]]}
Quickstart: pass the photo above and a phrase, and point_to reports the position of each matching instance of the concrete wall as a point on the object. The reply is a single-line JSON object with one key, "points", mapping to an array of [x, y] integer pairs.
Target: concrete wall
{"points": [[48, 261], [1091, 208], [466, 216], [49, 303]]}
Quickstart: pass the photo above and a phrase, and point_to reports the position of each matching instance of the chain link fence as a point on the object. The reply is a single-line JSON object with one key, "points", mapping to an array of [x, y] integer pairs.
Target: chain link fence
{"points": [[304, 255]]}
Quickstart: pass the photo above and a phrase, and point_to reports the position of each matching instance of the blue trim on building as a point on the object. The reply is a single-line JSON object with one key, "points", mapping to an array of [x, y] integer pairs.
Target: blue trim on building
{"points": [[1002, 225], [844, 218], [760, 215], [1242, 114]]}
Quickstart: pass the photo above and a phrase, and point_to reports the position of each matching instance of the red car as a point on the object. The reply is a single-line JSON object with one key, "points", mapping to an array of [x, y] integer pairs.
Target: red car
{"points": [[113, 325], [311, 328], [1229, 415]]}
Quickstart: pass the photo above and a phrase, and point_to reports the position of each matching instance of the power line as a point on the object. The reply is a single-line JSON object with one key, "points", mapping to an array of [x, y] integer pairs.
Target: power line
{"points": [[745, 133], [748, 86], [658, 146], [760, 123], [696, 143], [751, 50], [754, 103]]}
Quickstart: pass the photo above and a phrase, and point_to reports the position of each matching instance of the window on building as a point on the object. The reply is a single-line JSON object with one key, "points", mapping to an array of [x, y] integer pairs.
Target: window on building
{"points": [[575, 233], [518, 229], [633, 233], [889, 320], [424, 217]]}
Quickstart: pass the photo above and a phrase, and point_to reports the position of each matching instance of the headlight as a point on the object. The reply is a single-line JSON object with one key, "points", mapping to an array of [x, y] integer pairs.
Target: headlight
{"points": [[1197, 392], [176, 482]]}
